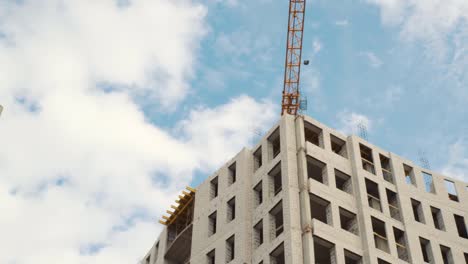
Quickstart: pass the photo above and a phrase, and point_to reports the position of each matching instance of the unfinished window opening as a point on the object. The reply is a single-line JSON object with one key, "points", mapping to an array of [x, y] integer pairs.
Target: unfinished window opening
{"points": [[386, 169], [393, 205], [367, 159], [258, 234], [324, 251], [156, 251], [352, 258], [380, 234], [373, 196], [313, 134], [231, 209], [274, 146], [417, 211], [257, 158], [277, 255], [381, 261], [437, 218], [212, 224], [276, 220], [275, 179], [148, 259], [320, 209], [230, 249], [428, 182], [348, 221], [232, 174], [426, 250], [317, 170], [409, 175], [211, 257], [400, 242], [343, 181], [258, 194], [461, 226], [214, 188], [338, 146], [452, 191], [446, 253], [466, 257]]}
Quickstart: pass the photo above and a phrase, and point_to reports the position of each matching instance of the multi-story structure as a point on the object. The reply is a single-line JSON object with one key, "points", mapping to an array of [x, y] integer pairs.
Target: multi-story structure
{"points": [[307, 194]]}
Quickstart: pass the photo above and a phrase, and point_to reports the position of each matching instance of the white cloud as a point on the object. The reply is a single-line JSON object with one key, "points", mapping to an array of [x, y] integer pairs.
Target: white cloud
{"points": [[86, 170], [342, 23], [374, 61], [317, 46], [433, 22], [349, 122], [457, 165]]}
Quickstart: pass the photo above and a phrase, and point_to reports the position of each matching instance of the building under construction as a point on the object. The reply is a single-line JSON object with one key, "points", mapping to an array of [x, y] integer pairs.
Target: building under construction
{"points": [[308, 194]]}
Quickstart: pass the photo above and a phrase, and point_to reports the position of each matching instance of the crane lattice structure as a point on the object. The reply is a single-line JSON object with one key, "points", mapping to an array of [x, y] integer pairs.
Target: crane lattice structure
{"points": [[290, 101]]}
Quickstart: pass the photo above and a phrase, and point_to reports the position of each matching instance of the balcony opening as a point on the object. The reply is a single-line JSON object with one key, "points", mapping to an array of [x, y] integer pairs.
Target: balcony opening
{"points": [[373, 196], [451, 190], [231, 209], [380, 235], [211, 257], [258, 194], [426, 250], [232, 174], [274, 146], [352, 258], [461, 226], [212, 224], [317, 170], [313, 134], [230, 249], [446, 253], [258, 234], [338, 146], [386, 169], [466, 257], [257, 158], [428, 182], [409, 175], [401, 245], [276, 220], [320, 209], [367, 159], [214, 188], [381, 261], [348, 221], [276, 184], [324, 251], [393, 205], [417, 211], [277, 255], [437, 218], [343, 182]]}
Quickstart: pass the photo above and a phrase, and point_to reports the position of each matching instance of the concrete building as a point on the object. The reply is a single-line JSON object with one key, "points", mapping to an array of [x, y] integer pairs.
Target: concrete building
{"points": [[308, 194]]}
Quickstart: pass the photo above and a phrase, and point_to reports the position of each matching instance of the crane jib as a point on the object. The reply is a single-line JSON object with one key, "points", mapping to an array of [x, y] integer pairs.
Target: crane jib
{"points": [[290, 100]]}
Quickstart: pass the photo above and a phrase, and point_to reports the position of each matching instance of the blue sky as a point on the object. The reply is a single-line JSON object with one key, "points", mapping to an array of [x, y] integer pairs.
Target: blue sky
{"points": [[112, 107]]}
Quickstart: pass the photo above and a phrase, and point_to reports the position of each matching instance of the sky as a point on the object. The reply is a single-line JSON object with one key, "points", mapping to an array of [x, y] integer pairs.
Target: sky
{"points": [[112, 107]]}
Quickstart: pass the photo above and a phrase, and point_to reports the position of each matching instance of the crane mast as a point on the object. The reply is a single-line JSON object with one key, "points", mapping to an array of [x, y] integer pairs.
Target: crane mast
{"points": [[290, 100]]}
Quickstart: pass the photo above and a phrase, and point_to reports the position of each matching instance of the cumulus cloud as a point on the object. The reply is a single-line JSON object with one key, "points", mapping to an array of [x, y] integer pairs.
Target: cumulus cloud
{"points": [[373, 60], [84, 173], [457, 165], [349, 122], [342, 23]]}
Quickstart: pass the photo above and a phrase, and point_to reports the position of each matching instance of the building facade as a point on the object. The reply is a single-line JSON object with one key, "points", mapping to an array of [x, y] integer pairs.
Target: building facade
{"points": [[307, 194]]}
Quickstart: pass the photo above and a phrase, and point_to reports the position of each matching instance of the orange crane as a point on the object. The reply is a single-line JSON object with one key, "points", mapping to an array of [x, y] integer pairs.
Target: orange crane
{"points": [[291, 95]]}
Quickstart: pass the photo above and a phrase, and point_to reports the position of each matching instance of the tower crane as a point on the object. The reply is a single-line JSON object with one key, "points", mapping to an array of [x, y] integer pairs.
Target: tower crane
{"points": [[291, 94]]}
